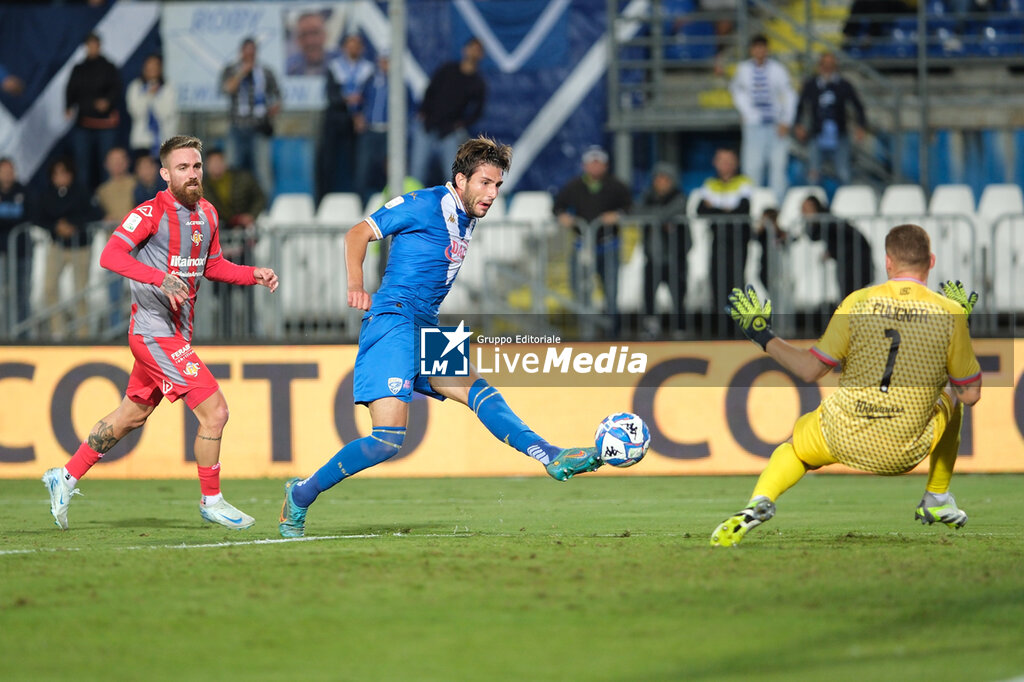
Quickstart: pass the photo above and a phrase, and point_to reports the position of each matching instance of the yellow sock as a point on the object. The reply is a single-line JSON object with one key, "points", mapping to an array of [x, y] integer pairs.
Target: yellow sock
{"points": [[783, 471], [943, 457]]}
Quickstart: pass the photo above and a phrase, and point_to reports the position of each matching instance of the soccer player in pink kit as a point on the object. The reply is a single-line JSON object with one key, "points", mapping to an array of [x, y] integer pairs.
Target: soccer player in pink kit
{"points": [[175, 239]]}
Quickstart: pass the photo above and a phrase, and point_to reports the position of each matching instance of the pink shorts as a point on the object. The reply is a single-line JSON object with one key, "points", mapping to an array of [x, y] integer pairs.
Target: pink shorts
{"points": [[167, 367]]}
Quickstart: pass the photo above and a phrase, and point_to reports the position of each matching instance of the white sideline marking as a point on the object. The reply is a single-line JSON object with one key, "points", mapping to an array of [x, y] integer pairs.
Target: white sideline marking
{"points": [[275, 541]]}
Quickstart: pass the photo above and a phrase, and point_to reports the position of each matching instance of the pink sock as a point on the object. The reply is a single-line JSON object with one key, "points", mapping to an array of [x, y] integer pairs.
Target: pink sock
{"points": [[82, 461], [209, 479]]}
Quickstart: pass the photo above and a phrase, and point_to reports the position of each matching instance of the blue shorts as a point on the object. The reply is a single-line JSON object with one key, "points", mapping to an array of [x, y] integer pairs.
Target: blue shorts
{"points": [[387, 364]]}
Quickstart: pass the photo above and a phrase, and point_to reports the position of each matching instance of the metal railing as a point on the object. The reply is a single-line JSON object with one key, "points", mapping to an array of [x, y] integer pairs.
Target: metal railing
{"points": [[670, 275]]}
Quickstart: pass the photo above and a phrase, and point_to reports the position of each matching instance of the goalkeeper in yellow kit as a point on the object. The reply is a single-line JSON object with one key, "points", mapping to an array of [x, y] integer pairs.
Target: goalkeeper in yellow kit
{"points": [[907, 370]]}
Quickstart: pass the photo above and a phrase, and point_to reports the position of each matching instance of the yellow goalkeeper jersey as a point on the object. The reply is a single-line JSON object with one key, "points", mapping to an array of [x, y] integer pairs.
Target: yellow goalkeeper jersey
{"points": [[899, 343]]}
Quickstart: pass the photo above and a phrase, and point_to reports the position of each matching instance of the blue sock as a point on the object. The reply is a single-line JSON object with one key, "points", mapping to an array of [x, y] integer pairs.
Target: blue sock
{"points": [[498, 417], [383, 443]]}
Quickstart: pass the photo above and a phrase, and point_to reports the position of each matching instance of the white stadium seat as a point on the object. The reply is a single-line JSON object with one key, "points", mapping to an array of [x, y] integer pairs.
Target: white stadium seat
{"points": [[952, 199], [340, 209], [535, 208], [760, 199], [902, 200], [373, 203], [291, 209], [855, 201]]}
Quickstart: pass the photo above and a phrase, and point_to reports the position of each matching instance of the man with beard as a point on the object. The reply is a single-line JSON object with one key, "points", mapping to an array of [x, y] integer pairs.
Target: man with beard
{"points": [[175, 240]]}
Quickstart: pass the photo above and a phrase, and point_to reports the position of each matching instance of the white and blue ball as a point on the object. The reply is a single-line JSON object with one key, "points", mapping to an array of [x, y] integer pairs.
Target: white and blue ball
{"points": [[622, 439]]}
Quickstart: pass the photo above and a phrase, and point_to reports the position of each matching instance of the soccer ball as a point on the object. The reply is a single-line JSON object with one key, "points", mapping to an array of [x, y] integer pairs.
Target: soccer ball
{"points": [[622, 439]]}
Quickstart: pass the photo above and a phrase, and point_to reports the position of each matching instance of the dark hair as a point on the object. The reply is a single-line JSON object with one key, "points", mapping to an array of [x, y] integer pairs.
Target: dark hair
{"points": [[472, 40], [64, 162], [248, 40], [93, 35], [6, 159], [480, 150], [909, 245], [758, 39], [179, 142], [819, 205]]}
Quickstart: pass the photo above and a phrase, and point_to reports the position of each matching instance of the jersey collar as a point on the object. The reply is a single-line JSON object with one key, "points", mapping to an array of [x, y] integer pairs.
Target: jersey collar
{"points": [[458, 199], [908, 279]]}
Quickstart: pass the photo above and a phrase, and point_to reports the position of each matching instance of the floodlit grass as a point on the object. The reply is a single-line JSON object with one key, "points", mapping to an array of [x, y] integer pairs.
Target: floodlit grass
{"points": [[514, 579]]}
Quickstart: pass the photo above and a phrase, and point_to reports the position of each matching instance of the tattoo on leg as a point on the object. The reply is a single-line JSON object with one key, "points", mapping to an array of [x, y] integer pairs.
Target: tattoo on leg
{"points": [[102, 437], [202, 437]]}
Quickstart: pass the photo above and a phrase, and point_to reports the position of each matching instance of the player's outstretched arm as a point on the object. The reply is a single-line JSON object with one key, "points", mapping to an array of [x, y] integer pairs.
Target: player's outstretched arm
{"points": [[355, 252], [266, 277], [755, 320]]}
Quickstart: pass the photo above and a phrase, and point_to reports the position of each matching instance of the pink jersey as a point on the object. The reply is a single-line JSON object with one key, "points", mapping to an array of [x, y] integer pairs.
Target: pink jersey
{"points": [[165, 236]]}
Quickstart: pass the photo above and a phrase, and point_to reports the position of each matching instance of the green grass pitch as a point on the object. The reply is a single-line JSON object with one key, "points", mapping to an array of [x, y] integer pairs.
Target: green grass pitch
{"points": [[514, 579]]}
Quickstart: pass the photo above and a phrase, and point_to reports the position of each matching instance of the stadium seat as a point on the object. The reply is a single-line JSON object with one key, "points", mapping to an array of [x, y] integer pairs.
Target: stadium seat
{"points": [[902, 200], [534, 208], [341, 209], [1007, 265], [789, 212], [855, 201], [761, 199], [375, 201], [291, 209], [1000, 199], [952, 199]]}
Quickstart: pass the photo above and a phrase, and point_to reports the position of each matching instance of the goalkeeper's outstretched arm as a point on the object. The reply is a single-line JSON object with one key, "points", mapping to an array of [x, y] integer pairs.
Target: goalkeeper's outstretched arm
{"points": [[799, 361]]}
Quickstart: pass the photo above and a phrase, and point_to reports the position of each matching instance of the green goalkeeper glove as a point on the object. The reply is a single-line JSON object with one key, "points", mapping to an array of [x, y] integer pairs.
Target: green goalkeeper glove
{"points": [[753, 317], [955, 291]]}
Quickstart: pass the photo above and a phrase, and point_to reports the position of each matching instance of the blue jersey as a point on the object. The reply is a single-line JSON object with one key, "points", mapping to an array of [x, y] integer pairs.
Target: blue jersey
{"points": [[431, 233]]}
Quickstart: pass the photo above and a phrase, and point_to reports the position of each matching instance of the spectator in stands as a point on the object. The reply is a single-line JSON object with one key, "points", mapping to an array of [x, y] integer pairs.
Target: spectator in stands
{"points": [[727, 194], [147, 179], [771, 237], [14, 207], [308, 52], [116, 196], [844, 243], [871, 19], [9, 83], [595, 201], [824, 99], [93, 97], [373, 138], [153, 105], [453, 102], [255, 102], [762, 93], [64, 209], [239, 200], [343, 120], [666, 245]]}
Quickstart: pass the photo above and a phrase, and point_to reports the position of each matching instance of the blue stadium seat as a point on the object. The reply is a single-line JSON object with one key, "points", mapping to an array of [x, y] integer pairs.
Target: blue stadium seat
{"points": [[997, 37]]}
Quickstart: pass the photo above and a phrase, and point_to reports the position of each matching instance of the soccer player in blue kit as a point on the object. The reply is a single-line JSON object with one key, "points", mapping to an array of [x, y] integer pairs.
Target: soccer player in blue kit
{"points": [[430, 232]]}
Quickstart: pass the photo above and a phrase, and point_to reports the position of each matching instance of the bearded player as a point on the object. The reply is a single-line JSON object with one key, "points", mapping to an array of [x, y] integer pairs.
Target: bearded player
{"points": [[164, 246]]}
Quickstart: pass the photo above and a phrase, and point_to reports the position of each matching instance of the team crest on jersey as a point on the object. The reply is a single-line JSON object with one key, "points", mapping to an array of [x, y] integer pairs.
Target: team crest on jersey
{"points": [[456, 251], [146, 211], [197, 237], [395, 385], [192, 369]]}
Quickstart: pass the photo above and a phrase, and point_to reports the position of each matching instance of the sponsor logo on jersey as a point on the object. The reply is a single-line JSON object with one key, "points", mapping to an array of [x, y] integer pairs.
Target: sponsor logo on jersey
{"points": [[131, 222], [394, 202], [166, 386], [456, 251], [197, 237], [192, 369], [195, 222], [183, 262], [395, 385], [146, 211]]}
